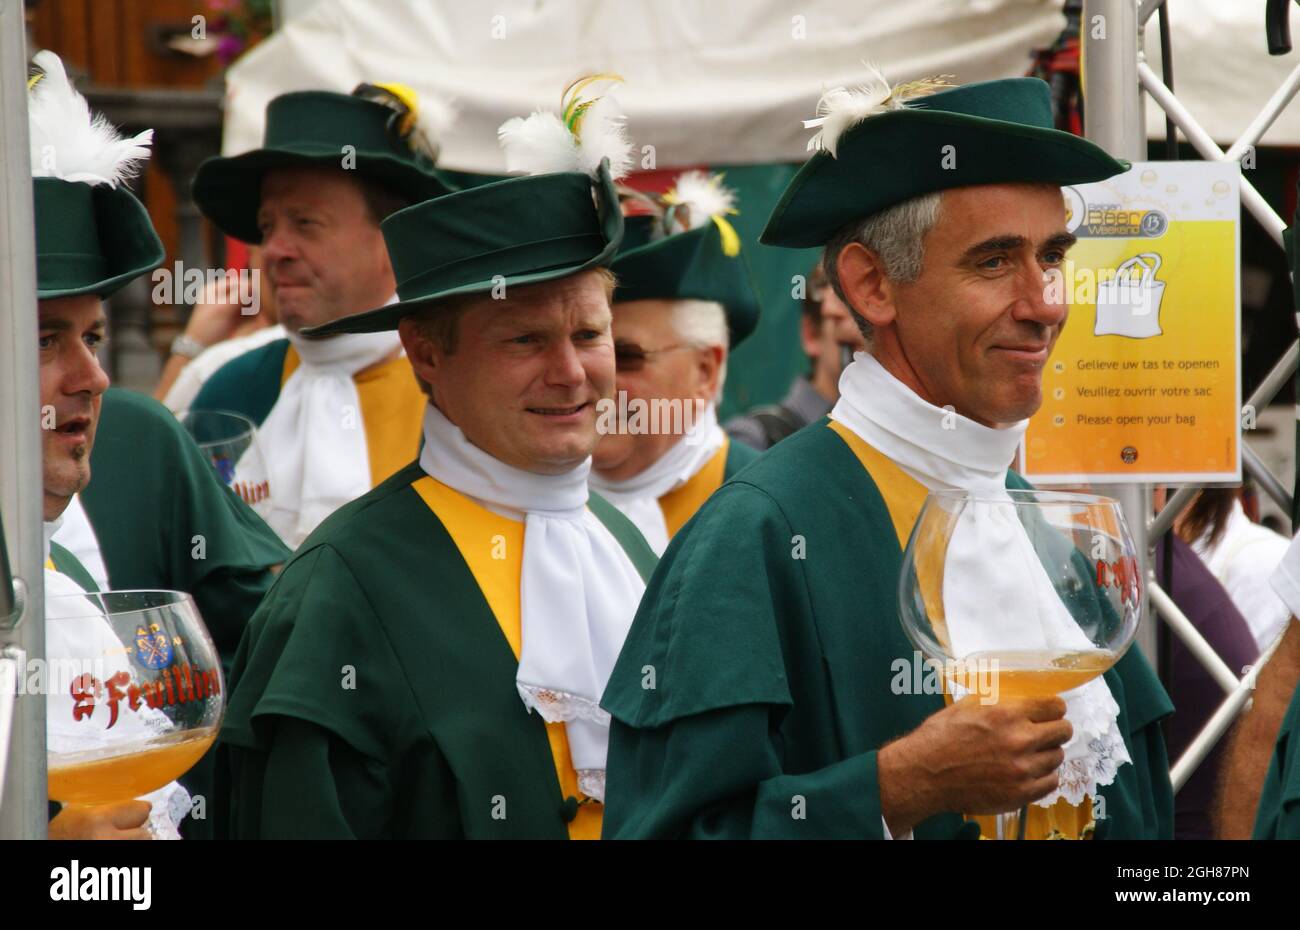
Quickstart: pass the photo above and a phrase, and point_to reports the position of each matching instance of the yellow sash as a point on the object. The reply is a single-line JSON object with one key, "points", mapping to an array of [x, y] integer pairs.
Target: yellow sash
{"points": [[493, 548], [904, 496], [680, 504], [392, 412]]}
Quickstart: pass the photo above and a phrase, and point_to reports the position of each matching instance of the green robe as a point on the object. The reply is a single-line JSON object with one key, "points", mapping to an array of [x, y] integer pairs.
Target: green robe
{"points": [[164, 521], [1278, 816], [754, 688], [374, 695], [738, 456], [65, 563], [248, 384]]}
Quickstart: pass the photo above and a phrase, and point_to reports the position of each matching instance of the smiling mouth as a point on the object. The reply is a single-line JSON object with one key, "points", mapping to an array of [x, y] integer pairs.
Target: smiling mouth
{"points": [[1025, 350], [558, 411]]}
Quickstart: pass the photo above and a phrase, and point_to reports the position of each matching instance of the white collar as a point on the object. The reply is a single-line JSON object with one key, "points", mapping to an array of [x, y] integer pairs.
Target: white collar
{"points": [[940, 448], [578, 590], [48, 529], [638, 497], [450, 457], [347, 353], [678, 465], [937, 446]]}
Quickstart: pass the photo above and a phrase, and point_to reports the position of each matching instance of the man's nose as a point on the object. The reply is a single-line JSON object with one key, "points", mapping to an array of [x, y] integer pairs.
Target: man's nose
{"points": [[85, 375], [564, 365], [277, 245], [1042, 297]]}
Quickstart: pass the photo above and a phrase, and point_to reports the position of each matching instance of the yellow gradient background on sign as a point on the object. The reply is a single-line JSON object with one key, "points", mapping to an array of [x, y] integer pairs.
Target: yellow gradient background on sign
{"points": [[1197, 318]]}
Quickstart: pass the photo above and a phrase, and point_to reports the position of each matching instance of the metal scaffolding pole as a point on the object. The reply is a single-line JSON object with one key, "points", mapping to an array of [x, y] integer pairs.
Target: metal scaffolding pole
{"points": [[1113, 128], [1263, 395], [1113, 119], [23, 811]]}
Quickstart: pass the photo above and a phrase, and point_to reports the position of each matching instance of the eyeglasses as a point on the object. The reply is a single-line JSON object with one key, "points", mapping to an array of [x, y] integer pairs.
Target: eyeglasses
{"points": [[631, 357]]}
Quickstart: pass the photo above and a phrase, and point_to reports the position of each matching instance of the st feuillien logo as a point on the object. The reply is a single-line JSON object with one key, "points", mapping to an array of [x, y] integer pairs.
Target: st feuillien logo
{"points": [[152, 648]]}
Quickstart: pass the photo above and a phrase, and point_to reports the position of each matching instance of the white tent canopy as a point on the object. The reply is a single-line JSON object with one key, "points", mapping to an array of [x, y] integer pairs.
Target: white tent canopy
{"points": [[724, 81]]}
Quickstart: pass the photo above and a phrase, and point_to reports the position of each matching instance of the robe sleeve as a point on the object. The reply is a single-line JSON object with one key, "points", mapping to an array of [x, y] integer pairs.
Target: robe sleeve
{"points": [[315, 786], [233, 574], [700, 691], [320, 712], [1151, 762], [718, 775], [1139, 804], [165, 519]]}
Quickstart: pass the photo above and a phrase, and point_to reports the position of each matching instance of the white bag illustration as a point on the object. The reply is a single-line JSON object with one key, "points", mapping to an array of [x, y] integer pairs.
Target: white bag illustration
{"points": [[1129, 303]]}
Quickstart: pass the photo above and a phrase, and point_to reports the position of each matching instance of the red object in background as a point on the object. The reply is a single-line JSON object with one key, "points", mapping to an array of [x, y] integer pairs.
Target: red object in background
{"points": [[236, 254], [1059, 67], [653, 182]]}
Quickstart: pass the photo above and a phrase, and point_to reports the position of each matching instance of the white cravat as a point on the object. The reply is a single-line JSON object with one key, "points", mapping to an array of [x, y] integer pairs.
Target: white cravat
{"points": [[78, 537], [578, 589], [71, 633], [943, 450], [314, 440], [638, 497]]}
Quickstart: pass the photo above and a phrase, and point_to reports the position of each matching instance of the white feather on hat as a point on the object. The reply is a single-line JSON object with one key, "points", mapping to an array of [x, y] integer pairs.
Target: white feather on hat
{"points": [[699, 197], [70, 143], [703, 196], [841, 108], [578, 139]]}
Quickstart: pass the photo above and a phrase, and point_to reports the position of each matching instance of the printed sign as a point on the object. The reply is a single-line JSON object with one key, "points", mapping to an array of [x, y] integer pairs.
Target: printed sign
{"points": [[1144, 384]]}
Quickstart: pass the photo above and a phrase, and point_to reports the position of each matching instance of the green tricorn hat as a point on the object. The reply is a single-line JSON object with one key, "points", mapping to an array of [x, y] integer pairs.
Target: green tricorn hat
{"points": [[325, 129], [507, 233], [697, 264], [90, 239], [898, 147]]}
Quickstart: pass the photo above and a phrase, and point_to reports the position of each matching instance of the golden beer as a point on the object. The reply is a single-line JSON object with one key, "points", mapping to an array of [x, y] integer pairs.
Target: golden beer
{"points": [[1029, 673], [105, 776]]}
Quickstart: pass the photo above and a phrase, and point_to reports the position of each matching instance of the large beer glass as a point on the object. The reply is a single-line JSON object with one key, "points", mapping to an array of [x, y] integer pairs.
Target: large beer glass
{"points": [[1019, 593]]}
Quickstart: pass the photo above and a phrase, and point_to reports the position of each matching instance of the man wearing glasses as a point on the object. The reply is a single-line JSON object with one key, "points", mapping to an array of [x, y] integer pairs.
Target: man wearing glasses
{"points": [[684, 298]]}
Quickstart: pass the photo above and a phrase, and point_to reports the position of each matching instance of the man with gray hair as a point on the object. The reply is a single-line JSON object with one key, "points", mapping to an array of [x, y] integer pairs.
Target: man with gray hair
{"points": [[766, 688], [684, 299]]}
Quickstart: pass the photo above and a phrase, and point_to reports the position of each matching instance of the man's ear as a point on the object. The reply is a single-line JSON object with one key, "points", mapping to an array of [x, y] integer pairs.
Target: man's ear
{"points": [[422, 352], [710, 368], [810, 336], [862, 277]]}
